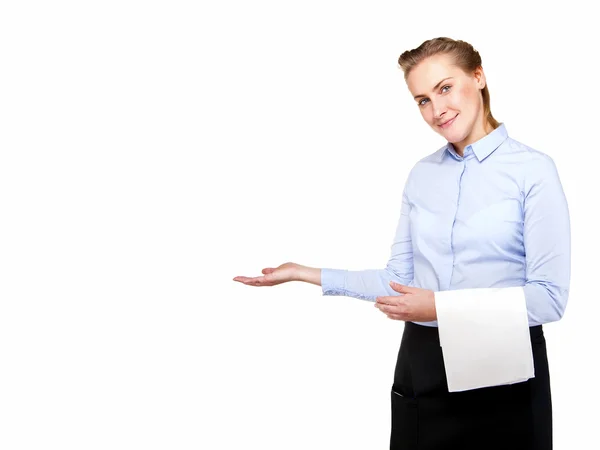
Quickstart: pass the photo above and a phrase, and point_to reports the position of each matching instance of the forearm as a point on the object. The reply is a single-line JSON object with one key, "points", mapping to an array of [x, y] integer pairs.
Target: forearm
{"points": [[307, 274], [362, 284], [546, 302]]}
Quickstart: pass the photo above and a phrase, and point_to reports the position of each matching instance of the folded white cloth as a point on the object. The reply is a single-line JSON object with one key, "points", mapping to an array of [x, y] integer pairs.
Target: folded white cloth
{"points": [[484, 334]]}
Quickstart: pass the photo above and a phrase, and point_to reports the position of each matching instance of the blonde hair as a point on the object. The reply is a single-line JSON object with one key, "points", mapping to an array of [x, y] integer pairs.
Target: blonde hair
{"points": [[464, 56]]}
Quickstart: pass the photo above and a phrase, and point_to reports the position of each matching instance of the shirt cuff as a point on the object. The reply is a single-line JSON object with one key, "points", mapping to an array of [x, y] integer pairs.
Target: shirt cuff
{"points": [[333, 281]]}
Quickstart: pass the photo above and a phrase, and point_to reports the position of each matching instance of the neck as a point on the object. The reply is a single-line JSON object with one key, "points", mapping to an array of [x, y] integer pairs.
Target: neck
{"points": [[479, 131]]}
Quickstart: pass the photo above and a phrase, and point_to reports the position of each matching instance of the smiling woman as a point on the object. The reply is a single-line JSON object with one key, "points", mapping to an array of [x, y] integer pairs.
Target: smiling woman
{"points": [[458, 105], [482, 211]]}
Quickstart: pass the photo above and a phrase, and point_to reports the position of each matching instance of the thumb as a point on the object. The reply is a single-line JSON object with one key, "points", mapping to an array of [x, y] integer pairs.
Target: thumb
{"points": [[399, 287]]}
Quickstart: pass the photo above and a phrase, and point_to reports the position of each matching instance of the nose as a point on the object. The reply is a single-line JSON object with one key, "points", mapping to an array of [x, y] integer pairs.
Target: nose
{"points": [[439, 109]]}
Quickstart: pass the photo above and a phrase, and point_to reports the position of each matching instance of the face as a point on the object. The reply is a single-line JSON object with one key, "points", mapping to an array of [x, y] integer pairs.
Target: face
{"points": [[449, 100]]}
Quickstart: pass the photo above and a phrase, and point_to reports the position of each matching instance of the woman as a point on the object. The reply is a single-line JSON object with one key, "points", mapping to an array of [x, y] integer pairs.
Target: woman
{"points": [[483, 211]]}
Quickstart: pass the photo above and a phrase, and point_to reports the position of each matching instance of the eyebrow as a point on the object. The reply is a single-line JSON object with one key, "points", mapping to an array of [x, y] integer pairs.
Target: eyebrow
{"points": [[435, 87]]}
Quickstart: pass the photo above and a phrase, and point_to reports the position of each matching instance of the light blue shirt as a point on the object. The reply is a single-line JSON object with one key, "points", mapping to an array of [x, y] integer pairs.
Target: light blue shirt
{"points": [[495, 217]]}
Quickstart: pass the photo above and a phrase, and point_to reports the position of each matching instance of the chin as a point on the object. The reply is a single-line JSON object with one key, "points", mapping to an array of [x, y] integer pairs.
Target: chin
{"points": [[453, 136]]}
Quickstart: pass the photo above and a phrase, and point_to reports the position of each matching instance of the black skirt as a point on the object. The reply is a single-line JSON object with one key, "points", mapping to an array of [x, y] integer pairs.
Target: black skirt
{"points": [[426, 416]]}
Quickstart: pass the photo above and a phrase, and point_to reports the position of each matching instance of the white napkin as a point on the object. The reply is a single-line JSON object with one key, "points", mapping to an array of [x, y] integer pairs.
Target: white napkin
{"points": [[484, 334]]}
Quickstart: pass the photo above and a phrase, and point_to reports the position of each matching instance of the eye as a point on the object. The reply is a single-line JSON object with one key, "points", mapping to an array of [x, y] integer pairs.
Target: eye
{"points": [[447, 86]]}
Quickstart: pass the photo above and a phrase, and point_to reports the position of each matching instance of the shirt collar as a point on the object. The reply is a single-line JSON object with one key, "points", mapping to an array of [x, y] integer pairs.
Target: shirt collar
{"points": [[484, 146]]}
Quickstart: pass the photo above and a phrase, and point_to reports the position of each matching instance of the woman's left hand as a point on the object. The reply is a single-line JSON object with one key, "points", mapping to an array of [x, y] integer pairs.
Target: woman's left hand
{"points": [[415, 305]]}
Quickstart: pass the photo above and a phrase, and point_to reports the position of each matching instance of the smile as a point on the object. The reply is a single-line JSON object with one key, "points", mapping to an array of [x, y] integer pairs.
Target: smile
{"points": [[450, 122]]}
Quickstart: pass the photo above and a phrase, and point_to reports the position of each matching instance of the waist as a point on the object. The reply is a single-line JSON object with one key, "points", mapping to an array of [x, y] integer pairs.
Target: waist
{"points": [[432, 333]]}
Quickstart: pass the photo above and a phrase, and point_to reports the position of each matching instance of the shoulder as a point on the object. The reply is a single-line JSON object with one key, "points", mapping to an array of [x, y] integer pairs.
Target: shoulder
{"points": [[423, 167], [435, 157], [537, 168], [531, 158], [429, 161]]}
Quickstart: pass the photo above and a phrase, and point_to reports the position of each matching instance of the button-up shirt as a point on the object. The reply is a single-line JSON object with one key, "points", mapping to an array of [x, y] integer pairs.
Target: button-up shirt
{"points": [[495, 217]]}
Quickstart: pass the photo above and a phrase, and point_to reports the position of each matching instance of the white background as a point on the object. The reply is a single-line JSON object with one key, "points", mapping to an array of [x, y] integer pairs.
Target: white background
{"points": [[151, 151]]}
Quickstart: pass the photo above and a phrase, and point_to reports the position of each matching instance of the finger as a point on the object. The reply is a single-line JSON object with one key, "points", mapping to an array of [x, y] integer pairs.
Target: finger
{"points": [[396, 316], [400, 308], [240, 279], [391, 312], [388, 309], [251, 281], [387, 300], [400, 287], [268, 270]]}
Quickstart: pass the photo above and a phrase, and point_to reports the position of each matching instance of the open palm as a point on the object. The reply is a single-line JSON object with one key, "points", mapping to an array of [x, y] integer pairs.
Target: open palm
{"points": [[271, 275]]}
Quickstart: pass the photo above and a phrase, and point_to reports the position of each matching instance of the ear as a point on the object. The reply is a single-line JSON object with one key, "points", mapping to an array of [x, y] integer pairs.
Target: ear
{"points": [[479, 76]]}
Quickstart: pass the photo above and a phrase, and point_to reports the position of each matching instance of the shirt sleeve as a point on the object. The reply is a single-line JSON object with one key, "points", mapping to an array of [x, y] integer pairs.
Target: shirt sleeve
{"points": [[547, 242], [371, 283], [547, 238]]}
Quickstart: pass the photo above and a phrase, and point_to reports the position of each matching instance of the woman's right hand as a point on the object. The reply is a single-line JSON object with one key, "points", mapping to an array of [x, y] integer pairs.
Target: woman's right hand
{"points": [[286, 272]]}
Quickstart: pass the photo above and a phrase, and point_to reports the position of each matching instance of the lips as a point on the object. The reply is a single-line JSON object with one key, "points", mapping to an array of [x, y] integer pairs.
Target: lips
{"points": [[448, 123]]}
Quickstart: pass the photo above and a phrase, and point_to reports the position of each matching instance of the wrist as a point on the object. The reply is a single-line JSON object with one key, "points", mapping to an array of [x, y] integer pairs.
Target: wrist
{"points": [[307, 274], [297, 273]]}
